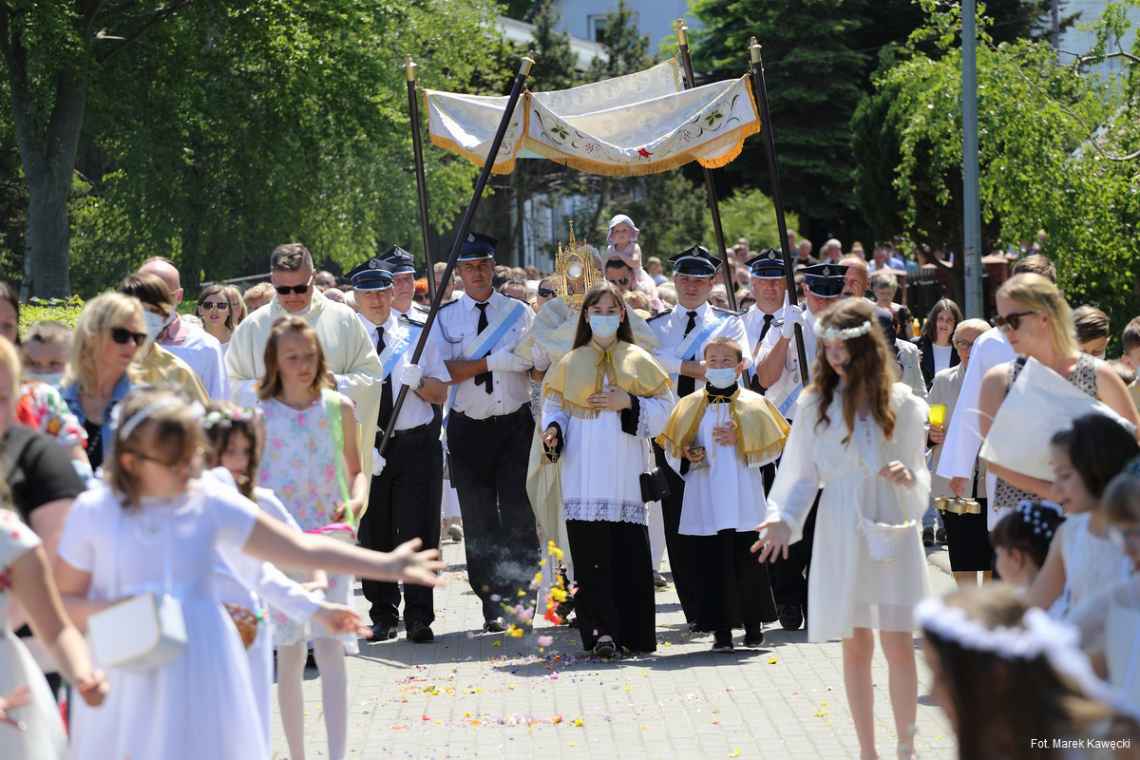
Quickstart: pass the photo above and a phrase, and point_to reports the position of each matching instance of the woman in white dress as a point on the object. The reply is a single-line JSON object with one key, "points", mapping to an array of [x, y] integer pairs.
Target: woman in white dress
{"points": [[602, 400], [861, 437], [152, 528], [30, 726]]}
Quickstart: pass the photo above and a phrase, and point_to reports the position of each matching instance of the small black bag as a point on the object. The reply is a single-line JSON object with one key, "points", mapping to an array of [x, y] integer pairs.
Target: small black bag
{"points": [[654, 485]]}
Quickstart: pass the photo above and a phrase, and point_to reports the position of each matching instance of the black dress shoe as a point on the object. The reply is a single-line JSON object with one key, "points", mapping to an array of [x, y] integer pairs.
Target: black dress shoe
{"points": [[754, 637], [605, 648], [494, 625], [928, 536], [382, 632], [722, 641], [791, 618], [419, 633]]}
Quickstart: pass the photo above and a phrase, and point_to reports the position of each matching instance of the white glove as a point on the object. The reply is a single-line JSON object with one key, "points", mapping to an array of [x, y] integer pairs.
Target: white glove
{"points": [[541, 360], [378, 463], [412, 376], [793, 315]]}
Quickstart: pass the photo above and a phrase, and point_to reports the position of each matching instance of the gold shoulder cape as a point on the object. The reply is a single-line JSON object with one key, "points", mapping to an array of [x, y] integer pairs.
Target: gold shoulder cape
{"points": [[761, 429], [579, 374]]}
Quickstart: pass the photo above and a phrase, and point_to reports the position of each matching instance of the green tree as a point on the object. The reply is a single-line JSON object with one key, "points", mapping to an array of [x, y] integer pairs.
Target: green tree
{"points": [[750, 214]]}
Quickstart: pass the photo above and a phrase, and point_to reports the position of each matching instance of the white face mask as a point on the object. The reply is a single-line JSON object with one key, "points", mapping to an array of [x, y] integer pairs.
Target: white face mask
{"points": [[721, 377], [155, 324], [604, 325], [51, 378]]}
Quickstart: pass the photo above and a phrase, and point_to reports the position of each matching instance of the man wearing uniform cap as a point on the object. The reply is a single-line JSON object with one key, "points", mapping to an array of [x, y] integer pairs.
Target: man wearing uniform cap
{"points": [[769, 288], [778, 369], [489, 428], [404, 499], [682, 334], [402, 265]]}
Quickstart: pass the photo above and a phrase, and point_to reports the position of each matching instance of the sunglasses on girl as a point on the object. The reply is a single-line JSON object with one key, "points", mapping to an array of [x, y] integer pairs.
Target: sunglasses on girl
{"points": [[285, 290], [211, 305], [1012, 321], [122, 336]]}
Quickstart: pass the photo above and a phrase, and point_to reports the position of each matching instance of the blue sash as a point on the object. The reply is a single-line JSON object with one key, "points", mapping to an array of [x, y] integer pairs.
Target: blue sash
{"points": [[394, 351], [790, 401], [488, 343], [702, 335]]}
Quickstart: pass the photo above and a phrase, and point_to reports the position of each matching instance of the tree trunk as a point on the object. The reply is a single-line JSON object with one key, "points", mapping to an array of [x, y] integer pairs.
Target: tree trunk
{"points": [[46, 261]]}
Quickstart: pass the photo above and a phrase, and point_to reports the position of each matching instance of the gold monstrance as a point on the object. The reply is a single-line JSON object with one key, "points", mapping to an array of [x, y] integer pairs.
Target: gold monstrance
{"points": [[574, 264]]}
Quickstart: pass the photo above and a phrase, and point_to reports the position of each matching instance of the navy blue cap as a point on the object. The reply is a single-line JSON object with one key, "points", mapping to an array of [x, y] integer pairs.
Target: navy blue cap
{"points": [[766, 265], [825, 280], [477, 246], [398, 261], [695, 262], [374, 274]]}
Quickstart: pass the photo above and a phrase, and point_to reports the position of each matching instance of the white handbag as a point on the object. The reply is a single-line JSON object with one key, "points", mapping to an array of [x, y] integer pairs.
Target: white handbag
{"points": [[884, 540], [143, 632]]}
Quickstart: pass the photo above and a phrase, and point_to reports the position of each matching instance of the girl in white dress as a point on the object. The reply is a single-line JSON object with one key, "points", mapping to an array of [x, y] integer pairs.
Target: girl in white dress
{"points": [[30, 727], [152, 528], [861, 437], [257, 595], [1082, 561], [311, 464], [602, 400]]}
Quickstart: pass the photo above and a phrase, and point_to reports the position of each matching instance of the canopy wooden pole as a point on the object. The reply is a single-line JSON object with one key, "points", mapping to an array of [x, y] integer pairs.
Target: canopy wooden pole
{"points": [[464, 226], [421, 179], [760, 90], [682, 33]]}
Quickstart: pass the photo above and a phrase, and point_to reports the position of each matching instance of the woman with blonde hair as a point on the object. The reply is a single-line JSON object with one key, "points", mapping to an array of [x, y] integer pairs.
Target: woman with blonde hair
{"points": [[866, 434], [108, 334], [1038, 324]]}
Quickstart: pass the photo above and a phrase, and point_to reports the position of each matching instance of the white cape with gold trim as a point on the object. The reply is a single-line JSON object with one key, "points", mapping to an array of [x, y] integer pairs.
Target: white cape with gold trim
{"points": [[641, 123]]}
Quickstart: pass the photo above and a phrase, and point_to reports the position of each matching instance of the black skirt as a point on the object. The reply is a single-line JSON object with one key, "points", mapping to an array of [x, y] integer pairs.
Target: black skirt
{"points": [[968, 541]]}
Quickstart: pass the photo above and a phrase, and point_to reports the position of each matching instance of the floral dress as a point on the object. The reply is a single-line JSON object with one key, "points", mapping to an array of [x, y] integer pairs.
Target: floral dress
{"points": [[300, 466]]}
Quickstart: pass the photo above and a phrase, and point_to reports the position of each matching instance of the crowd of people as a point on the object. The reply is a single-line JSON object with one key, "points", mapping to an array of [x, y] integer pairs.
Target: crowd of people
{"points": [[191, 497]]}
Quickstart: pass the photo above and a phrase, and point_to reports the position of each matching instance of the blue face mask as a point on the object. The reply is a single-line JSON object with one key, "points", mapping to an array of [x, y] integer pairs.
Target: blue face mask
{"points": [[722, 377], [604, 325]]}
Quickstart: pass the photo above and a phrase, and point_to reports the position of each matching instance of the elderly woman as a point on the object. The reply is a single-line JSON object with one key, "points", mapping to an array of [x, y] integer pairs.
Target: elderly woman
{"points": [[154, 365], [884, 285], [109, 332]]}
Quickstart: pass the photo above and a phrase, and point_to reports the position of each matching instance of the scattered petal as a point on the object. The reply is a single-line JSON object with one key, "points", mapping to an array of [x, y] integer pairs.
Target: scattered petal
{"points": [[772, 660], [545, 641]]}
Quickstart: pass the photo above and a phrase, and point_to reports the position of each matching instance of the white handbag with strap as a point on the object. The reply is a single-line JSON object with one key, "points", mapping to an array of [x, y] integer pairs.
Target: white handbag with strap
{"points": [[142, 632]]}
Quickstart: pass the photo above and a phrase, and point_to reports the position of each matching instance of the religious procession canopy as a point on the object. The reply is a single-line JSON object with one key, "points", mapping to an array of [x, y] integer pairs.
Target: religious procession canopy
{"points": [[641, 123]]}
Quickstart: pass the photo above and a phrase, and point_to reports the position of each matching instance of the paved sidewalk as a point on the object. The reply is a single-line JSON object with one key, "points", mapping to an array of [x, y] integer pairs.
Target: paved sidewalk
{"points": [[470, 695]]}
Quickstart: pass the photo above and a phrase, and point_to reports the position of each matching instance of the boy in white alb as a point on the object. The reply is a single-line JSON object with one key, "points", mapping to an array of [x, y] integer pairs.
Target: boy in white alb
{"points": [[727, 433]]}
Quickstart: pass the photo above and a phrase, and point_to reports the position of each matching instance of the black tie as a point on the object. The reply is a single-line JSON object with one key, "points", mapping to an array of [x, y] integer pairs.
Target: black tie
{"points": [[483, 378], [386, 392], [755, 384], [686, 384]]}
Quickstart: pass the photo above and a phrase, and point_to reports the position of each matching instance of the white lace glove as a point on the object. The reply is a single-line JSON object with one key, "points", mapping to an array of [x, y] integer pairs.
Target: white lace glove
{"points": [[378, 463], [412, 376], [793, 315]]}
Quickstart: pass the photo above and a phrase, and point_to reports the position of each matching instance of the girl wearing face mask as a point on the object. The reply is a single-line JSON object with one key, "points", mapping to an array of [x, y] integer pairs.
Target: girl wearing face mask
{"points": [[733, 432], [43, 355], [154, 365], [602, 400]]}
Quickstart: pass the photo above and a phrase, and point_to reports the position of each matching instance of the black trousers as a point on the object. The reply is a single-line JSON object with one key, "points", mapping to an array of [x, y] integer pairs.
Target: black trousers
{"points": [[682, 553], [404, 503], [734, 586], [615, 583], [488, 468], [789, 576]]}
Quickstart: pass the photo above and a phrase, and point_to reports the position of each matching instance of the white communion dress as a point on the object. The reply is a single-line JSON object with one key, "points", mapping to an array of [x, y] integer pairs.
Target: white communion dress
{"points": [[200, 704], [868, 568]]}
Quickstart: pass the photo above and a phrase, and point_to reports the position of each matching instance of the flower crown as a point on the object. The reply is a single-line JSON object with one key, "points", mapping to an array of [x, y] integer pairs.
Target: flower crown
{"points": [[846, 333], [1058, 642], [217, 417], [1033, 514]]}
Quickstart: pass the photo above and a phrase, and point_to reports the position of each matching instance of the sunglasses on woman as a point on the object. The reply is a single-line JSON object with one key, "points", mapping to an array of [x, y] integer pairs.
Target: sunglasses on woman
{"points": [[1012, 321], [546, 292], [285, 290], [211, 305], [122, 336]]}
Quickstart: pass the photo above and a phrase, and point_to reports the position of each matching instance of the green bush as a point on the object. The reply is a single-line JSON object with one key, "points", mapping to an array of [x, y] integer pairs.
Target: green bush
{"points": [[59, 310]]}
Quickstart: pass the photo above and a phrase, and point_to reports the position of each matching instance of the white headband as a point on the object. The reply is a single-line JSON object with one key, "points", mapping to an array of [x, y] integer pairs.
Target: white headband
{"points": [[835, 333], [154, 407], [1041, 636]]}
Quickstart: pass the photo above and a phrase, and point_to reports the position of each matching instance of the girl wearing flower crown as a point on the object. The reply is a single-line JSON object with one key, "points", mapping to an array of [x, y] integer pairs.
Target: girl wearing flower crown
{"points": [[311, 463], [1021, 541], [868, 569], [1013, 683], [234, 442], [154, 529]]}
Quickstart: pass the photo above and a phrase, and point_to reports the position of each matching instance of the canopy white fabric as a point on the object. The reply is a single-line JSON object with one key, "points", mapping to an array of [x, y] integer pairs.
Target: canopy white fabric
{"points": [[641, 123]]}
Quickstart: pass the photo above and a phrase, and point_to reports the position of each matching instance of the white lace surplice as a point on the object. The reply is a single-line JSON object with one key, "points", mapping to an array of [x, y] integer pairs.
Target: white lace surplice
{"points": [[848, 589], [601, 464]]}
